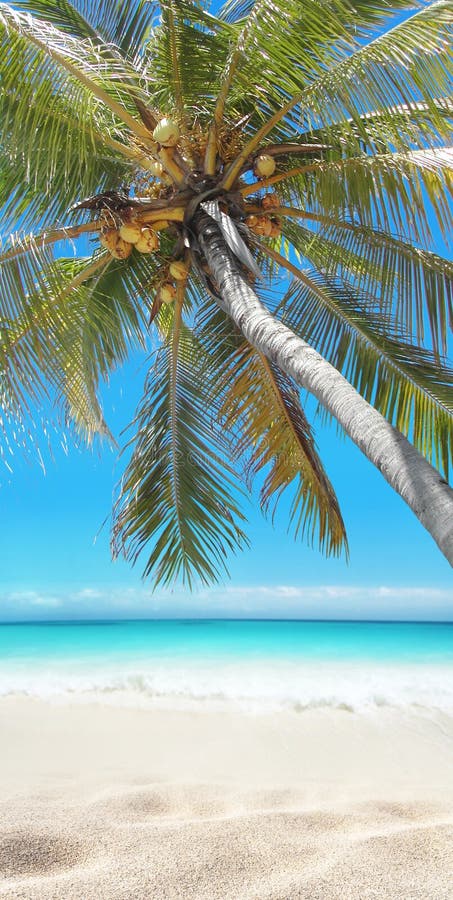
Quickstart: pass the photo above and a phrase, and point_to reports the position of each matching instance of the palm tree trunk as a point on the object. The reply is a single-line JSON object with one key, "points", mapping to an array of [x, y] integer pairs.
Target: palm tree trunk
{"points": [[406, 470]]}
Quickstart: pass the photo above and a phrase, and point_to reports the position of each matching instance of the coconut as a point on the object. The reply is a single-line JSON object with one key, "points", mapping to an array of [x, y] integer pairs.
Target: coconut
{"points": [[263, 226], [118, 247], [178, 270], [264, 165], [122, 249], [167, 293], [275, 229], [251, 221], [108, 238], [148, 241], [270, 201], [166, 133], [156, 168], [130, 232]]}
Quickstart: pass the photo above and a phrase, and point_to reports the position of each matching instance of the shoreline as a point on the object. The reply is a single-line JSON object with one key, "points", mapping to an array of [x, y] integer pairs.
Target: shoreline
{"points": [[130, 804]]}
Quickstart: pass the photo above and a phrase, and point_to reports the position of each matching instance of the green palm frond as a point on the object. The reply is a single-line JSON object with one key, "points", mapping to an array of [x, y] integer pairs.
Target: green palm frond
{"points": [[185, 54], [403, 381], [363, 13], [178, 492], [269, 433], [60, 58], [59, 141], [414, 285], [40, 346], [65, 324], [407, 194], [399, 128], [317, 72], [409, 63], [125, 26]]}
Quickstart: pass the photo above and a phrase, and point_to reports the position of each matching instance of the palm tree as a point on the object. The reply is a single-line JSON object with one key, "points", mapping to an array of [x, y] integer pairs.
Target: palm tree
{"points": [[260, 190]]}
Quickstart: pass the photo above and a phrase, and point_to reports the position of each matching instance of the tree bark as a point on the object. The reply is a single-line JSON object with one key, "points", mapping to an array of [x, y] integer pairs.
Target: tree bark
{"points": [[406, 470]]}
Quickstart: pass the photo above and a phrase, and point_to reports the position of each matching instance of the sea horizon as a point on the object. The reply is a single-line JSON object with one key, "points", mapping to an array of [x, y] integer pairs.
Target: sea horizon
{"points": [[122, 619]]}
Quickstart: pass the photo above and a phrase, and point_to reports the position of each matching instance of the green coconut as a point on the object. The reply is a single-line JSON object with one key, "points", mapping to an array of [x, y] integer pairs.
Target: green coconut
{"points": [[264, 165], [166, 133]]}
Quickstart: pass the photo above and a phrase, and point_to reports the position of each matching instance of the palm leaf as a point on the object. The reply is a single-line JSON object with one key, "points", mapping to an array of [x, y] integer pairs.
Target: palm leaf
{"points": [[65, 325], [269, 433], [404, 382], [298, 88], [62, 58], [413, 285], [178, 493], [124, 25], [407, 64]]}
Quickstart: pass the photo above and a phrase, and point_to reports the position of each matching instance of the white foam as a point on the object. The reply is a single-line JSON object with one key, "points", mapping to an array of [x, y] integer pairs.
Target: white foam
{"points": [[257, 684]]}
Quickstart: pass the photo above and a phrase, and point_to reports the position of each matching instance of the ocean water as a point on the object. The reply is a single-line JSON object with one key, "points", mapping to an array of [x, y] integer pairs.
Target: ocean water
{"points": [[255, 665]]}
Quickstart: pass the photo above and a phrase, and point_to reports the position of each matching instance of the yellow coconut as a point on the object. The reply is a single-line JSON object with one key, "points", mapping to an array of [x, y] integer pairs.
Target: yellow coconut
{"points": [[263, 226], [275, 229], [108, 238], [166, 133], [122, 249], [264, 165], [167, 293], [178, 270], [251, 221], [148, 241], [270, 201], [156, 168], [118, 247], [130, 232]]}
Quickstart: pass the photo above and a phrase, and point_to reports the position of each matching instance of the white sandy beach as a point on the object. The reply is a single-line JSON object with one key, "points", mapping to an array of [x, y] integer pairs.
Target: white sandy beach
{"points": [[110, 802]]}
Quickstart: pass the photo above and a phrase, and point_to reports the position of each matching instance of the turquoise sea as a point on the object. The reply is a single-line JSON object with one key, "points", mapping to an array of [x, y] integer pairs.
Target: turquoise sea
{"points": [[255, 664]]}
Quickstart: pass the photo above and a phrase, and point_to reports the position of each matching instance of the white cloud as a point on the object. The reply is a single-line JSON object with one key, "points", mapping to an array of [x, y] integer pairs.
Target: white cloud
{"points": [[284, 601], [30, 598]]}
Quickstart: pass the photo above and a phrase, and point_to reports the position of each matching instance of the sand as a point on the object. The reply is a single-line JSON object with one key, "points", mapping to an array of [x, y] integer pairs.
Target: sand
{"points": [[109, 802]]}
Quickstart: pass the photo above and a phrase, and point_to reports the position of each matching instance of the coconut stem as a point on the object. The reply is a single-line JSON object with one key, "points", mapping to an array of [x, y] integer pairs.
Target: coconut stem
{"points": [[235, 167], [274, 179], [166, 155], [170, 214]]}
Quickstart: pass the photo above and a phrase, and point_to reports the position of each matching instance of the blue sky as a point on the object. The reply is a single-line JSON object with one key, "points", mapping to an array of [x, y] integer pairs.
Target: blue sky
{"points": [[55, 563], [55, 560]]}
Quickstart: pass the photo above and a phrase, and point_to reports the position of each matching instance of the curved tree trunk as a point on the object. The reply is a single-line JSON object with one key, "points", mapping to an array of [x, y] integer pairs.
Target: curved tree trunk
{"points": [[405, 469]]}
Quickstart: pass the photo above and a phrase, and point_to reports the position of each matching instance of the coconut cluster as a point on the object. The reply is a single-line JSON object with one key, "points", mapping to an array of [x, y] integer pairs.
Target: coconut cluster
{"points": [[121, 229], [178, 271], [120, 241], [265, 225]]}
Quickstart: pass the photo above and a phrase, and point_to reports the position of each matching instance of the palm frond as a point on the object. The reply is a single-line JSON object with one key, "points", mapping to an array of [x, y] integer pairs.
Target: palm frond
{"points": [[62, 58], [403, 381], [59, 142], [400, 128], [408, 64], [65, 324], [270, 435], [413, 285], [302, 88], [124, 25], [40, 347], [178, 493], [185, 54], [407, 194]]}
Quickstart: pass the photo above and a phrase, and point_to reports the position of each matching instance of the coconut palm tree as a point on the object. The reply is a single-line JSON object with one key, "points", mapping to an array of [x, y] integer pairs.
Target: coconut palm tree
{"points": [[260, 190]]}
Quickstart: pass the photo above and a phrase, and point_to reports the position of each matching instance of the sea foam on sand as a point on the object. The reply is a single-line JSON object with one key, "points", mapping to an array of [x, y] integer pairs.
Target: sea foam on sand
{"points": [[117, 803]]}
